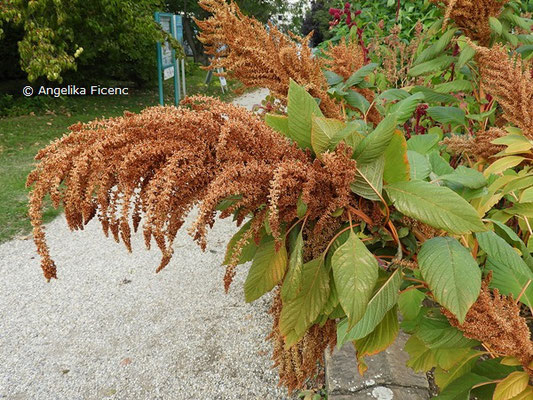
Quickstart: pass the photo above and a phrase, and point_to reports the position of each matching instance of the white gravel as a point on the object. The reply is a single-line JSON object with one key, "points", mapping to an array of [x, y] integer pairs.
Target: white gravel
{"points": [[111, 328]]}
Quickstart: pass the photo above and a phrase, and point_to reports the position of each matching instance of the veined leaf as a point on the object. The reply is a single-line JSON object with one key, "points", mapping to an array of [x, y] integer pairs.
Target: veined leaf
{"points": [[461, 387], [358, 76], [511, 386], [447, 115], [436, 48], [333, 78], [357, 100], [437, 206], [301, 106], [410, 303], [292, 284], [323, 130], [279, 123], [355, 271], [495, 25], [419, 165], [377, 141], [298, 314], [443, 378], [437, 333], [382, 301], [394, 94], [439, 165], [451, 273], [432, 96], [378, 340], [396, 167], [466, 54], [373, 172], [467, 177], [503, 164], [267, 270], [458, 85], [423, 144], [404, 108], [437, 64], [421, 358], [509, 272]]}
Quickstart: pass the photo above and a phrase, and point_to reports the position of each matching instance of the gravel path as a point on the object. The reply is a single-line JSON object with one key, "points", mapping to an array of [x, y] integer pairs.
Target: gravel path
{"points": [[111, 328]]}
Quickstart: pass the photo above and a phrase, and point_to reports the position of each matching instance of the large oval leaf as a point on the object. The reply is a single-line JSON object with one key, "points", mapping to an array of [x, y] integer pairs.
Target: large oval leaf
{"points": [[377, 141], [268, 268], [301, 106], [396, 162], [323, 130], [435, 205], [355, 271], [451, 273], [293, 280], [382, 301]]}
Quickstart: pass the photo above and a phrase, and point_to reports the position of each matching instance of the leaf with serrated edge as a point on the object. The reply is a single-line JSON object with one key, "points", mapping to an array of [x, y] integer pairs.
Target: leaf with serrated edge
{"points": [[435, 205], [355, 271], [377, 141]]}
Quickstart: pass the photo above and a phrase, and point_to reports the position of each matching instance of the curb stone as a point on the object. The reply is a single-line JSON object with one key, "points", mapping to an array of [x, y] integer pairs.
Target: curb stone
{"points": [[387, 377]]}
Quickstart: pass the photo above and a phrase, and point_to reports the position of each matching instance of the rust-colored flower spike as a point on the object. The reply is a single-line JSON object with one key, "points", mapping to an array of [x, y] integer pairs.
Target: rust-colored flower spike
{"points": [[163, 161], [472, 16], [509, 81], [479, 146], [262, 57], [495, 321], [344, 59]]}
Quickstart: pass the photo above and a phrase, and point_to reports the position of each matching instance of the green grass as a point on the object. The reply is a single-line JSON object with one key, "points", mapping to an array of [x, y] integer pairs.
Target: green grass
{"points": [[22, 136]]}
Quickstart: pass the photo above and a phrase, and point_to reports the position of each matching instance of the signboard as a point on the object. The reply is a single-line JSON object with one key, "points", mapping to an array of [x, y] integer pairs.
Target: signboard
{"points": [[167, 65]]}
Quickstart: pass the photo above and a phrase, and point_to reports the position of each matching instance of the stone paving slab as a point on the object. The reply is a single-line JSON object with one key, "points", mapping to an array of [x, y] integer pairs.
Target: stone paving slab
{"points": [[387, 376]]}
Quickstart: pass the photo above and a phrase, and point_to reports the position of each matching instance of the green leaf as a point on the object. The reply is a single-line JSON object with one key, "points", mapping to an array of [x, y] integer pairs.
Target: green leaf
{"points": [[423, 144], [267, 270], [378, 340], [437, 333], [375, 144], [358, 76], [419, 164], [434, 205], [421, 358], [248, 251], [447, 115], [461, 387], [301, 207], [431, 96], [404, 108], [292, 284], [298, 314], [525, 50], [503, 164], [458, 85], [437, 64], [443, 378], [279, 123], [410, 303], [439, 165], [451, 273], [511, 386], [357, 100], [382, 301], [300, 108], [396, 163], [466, 54], [333, 78], [323, 130], [373, 172], [495, 25], [467, 177], [436, 48], [509, 272], [355, 271], [394, 94]]}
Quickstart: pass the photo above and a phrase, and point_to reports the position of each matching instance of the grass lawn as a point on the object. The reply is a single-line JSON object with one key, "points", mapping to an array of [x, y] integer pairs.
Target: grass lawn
{"points": [[22, 136]]}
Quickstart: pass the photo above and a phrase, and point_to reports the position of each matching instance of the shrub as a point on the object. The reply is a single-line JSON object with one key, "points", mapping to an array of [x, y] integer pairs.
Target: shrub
{"points": [[357, 203]]}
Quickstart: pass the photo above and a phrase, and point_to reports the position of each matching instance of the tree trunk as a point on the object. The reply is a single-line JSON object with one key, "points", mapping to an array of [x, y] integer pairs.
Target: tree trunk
{"points": [[196, 47]]}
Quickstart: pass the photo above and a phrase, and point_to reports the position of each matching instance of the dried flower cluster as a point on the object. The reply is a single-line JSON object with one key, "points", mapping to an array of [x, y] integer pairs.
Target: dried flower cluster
{"points": [[260, 57], [479, 146], [472, 16], [298, 363], [164, 160], [495, 321], [506, 79]]}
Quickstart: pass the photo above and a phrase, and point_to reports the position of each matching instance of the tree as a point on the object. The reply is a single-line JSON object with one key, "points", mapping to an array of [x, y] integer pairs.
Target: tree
{"points": [[112, 38], [317, 20]]}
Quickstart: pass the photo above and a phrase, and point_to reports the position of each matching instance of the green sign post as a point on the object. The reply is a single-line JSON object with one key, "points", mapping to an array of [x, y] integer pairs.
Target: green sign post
{"points": [[167, 65]]}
